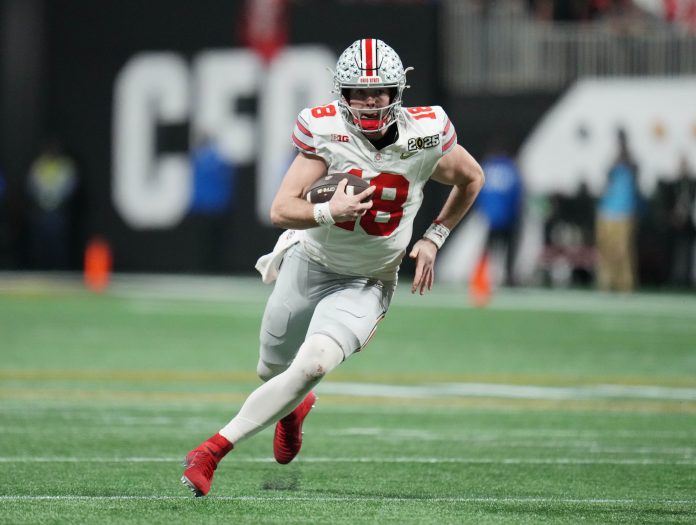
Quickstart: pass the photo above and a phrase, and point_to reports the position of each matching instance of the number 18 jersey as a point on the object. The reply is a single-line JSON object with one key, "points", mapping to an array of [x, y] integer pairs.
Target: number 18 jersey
{"points": [[374, 245]]}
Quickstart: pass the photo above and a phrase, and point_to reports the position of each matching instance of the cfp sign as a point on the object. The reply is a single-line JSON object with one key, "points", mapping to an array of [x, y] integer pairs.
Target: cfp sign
{"points": [[153, 190]]}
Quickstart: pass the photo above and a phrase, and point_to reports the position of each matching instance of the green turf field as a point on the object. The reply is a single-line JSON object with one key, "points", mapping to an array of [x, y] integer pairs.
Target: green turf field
{"points": [[546, 407]]}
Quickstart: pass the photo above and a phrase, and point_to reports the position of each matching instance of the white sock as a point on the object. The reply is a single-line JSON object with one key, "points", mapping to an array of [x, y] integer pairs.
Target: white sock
{"points": [[275, 399]]}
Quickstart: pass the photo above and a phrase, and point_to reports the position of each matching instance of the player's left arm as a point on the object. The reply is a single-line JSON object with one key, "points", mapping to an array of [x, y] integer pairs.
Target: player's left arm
{"points": [[458, 169]]}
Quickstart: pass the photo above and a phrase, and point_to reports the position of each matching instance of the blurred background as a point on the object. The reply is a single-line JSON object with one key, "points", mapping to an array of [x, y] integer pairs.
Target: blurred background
{"points": [[149, 137], [141, 143]]}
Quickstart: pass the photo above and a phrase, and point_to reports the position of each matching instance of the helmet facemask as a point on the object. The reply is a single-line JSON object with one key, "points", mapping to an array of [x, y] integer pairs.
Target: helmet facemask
{"points": [[370, 120], [370, 63]]}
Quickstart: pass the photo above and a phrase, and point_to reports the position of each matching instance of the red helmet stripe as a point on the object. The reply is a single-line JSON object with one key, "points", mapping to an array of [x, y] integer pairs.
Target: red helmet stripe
{"points": [[369, 49]]}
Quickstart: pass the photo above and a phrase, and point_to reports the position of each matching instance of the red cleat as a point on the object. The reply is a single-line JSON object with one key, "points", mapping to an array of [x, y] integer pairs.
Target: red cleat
{"points": [[287, 440], [201, 463]]}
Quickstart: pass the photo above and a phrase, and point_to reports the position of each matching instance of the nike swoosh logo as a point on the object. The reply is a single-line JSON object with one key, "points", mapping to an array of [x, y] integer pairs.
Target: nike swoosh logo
{"points": [[407, 155]]}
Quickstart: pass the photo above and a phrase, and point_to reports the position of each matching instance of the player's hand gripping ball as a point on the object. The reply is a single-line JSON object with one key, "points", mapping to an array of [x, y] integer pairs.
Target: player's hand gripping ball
{"points": [[323, 189]]}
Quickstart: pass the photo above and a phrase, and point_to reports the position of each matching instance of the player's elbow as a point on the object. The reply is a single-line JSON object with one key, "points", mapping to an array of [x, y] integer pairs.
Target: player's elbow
{"points": [[276, 218], [478, 177], [277, 215], [280, 221], [471, 177]]}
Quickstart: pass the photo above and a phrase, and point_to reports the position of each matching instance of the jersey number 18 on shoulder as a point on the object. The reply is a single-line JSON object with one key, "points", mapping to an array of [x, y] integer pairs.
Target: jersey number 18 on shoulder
{"points": [[421, 112], [324, 111]]}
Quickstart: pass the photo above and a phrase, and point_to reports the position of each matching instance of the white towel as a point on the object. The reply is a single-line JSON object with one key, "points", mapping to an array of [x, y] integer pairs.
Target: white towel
{"points": [[268, 265]]}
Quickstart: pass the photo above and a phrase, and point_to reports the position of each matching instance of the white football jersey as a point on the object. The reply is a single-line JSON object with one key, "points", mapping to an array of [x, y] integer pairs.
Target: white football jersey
{"points": [[374, 245]]}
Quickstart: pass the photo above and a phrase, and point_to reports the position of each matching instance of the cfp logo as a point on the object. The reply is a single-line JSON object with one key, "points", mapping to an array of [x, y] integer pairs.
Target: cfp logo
{"points": [[419, 143], [153, 189]]}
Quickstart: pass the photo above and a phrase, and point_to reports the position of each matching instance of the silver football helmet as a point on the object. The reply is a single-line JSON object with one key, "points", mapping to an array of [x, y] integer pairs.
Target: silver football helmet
{"points": [[370, 63]]}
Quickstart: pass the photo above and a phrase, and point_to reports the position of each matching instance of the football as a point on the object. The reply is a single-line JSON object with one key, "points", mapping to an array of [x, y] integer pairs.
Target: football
{"points": [[324, 188]]}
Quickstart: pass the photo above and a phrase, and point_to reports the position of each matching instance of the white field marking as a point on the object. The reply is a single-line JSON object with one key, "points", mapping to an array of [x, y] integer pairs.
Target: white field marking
{"points": [[482, 440], [146, 307], [379, 499], [89, 429], [646, 325], [251, 289], [555, 433], [508, 391], [371, 460], [503, 391], [505, 441], [552, 438], [190, 288], [651, 306], [587, 434], [71, 412], [531, 299]]}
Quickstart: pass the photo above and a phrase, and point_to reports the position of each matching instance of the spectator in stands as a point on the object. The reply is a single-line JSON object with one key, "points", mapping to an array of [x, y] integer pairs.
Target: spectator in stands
{"points": [[212, 201], [500, 202], [616, 11], [583, 212], [5, 237], [681, 212], [616, 219], [568, 256], [542, 9], [572, 10], [52, 186]]}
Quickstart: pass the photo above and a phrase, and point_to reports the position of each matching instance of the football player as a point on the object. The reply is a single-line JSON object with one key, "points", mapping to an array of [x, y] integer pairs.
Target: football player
{"points": [[340, 258]]}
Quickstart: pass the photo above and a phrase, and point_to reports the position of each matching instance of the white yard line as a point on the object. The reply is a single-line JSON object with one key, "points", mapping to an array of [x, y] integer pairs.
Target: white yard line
{"points": [[589, 392], [508, 391], [369, 460], [250, 289], [509, 440], [379, 499]]}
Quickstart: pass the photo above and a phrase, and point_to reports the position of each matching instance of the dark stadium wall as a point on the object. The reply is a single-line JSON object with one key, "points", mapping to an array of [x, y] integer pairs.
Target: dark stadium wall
{"points": [[22, 107], [483, 118], [88, 44]]}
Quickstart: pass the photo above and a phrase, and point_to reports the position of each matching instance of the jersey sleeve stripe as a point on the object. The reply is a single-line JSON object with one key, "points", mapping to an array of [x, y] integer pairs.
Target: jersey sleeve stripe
{"points": [[303, 129], [447, 127], [302, 145], [449, 143]]}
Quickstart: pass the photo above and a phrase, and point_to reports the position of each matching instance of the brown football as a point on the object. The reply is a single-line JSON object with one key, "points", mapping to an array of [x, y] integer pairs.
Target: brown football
{"points": [[323, 189]]}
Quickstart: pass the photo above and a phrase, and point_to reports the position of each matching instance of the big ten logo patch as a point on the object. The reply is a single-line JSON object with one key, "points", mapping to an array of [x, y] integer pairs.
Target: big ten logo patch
{"points": [[339, 138]]}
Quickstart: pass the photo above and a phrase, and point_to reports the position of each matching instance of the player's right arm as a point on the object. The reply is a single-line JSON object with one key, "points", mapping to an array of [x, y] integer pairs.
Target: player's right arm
{"points": [[291, 211]]}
